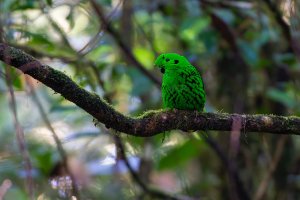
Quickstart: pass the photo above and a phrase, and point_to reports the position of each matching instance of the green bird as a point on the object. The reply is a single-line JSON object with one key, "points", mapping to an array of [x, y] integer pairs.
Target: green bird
{"points": [[182, 85]]}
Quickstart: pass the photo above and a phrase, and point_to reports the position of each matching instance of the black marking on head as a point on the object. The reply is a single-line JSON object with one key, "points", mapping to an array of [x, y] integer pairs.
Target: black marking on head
{"points": [[162, 70], [176, 61], [168, 59]]}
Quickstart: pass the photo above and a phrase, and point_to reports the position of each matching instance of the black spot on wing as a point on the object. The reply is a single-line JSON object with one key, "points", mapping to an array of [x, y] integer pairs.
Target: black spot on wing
{"points": [[176, 61]]}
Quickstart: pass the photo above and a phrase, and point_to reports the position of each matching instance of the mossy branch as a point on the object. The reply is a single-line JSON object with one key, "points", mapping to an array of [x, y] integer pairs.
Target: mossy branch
{"points": [[151, 123]]}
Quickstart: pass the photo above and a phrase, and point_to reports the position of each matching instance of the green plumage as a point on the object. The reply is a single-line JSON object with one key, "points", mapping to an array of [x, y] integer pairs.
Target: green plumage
{"points": [[182, 85]]}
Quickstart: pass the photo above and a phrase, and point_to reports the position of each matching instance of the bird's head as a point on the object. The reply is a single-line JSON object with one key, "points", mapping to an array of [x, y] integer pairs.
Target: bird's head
{"points": [[170, 61]]}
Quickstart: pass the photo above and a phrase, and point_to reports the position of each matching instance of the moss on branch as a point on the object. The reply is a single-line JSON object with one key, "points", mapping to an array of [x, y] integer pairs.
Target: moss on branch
{"points": [[151, 123]]}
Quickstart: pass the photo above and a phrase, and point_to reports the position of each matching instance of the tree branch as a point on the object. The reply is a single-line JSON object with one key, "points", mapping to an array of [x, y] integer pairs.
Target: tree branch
{"points": [[265, 183], [151, 123], [59, 145], [125, 49], [150, 191], [285, 28]]}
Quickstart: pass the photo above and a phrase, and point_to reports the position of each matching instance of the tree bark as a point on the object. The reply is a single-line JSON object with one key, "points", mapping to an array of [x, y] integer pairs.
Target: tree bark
{"points": [[152, 122]]}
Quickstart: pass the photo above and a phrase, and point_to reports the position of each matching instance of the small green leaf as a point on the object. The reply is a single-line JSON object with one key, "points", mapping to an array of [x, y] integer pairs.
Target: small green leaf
{"points": [[209, 38], [49, 2], [145, 56], [249, 53], [226, 15], [282, 97], [180, 154], [141, 85], [191, 27]]}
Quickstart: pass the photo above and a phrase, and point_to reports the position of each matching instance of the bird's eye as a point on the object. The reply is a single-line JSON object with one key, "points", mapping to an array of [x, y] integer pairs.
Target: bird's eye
{"points": [[162, 70], [176, 61]]}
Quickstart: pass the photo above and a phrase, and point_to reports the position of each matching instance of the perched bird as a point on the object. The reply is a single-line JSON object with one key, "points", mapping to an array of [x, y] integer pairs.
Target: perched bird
{"points": [[182, 85]]}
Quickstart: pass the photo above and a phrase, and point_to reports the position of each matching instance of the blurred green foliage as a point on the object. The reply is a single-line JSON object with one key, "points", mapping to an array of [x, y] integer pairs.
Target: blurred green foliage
{"points": [[247, 64]]}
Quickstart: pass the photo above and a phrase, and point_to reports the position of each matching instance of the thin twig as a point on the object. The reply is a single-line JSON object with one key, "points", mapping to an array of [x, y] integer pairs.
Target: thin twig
{"points": [[231, 167], [148, 38], [263, 186], [20, 136], [77, 61], [152, 192], [230, 4], [285, 28], [98, 36], [55, 26], [125, 49], [228, 34], [59, 145]]}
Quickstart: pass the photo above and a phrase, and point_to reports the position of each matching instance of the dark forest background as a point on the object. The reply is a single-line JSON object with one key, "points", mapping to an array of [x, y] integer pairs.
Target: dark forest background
{"points": [[247, 52]]}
